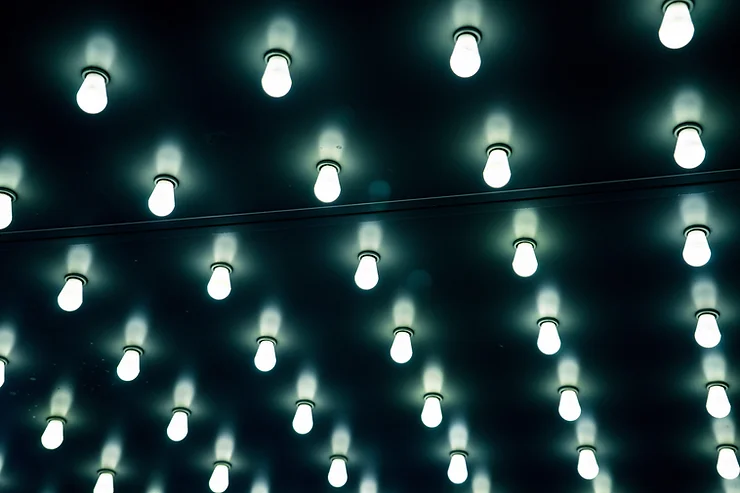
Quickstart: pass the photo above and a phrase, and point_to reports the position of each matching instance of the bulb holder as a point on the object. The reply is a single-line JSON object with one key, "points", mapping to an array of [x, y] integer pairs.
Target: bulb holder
{"points": [[4, 360], [182, 410], [708, 311], [56, 418], [369, 253], [308, 402], [586, 447], [222, 463], [436, 395], [667, 3], [10, 193], [407, 330], [544, 319], [339, 456], [718, 383], [281, 53], [96, 70], [568, 387], [685, 125], [168, 178], [697, 227], [138, 349], [104, 471], [222, 264], [328, 162], [459, 452], [267, 338], [502, 147], [525, 240], [727, 446], [475, 32], [80, 277]]}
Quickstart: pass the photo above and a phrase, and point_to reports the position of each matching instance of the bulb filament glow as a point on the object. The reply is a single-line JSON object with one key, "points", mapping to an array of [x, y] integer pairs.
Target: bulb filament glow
{"points": [[401, 349], [276, 80], [366, 276], [431, 413], [696, 251], [497, 172], [219, 286], [92, 98], [569, 407], [727, 464], [327, 187], [718, 403], [588, 467], [548, 340], [53, 435], [265, 359], [525, 260], [219, 481], [338, 471], [465, 59], [104, 484], [70, 297], [130, 366], [457, 472], [162, 200], [303, 419], [177, 430], [7, 197], [677, 29], [707, 333]]}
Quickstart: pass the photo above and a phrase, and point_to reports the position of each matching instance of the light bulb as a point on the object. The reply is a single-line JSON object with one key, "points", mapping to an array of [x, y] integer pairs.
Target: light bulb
{"points": [[162, 200], [548, 341], [70, 297], [457, 472], [465, 59], [525, 261], [219, 286], [431, 413], [676, 30], [3, 363], [276, 80], [569, 407], [718, 404], [338, 471], [219, 481], [6, 207], [689, 152], [92, 97], [303, 419], [265, 359], [177, 430], [707, 332], [727, 465], [497, 172], [366, 276], [327, 187], [588, 467], [696, 251], [401, 350], [130, 365], [104, 484], [53, 435]]}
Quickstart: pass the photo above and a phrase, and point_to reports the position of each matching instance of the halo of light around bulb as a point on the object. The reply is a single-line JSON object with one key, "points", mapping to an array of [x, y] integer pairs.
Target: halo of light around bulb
{"points": [[276, 80], [676, 29], [7, 197], [265, 359], [707, 333], [696, 251], [104, 484], [457, 472], [219, 481], [588, 466], [718, 403], [162, 200], [366, 276], [727, 464], [465, 60], [327, 187], [525, 260], [338, 475], [70, 297], [130, 366], [53, 435], [401, 349], [689, 151], [548, 340], [497, 172], [303, 419], [177, 430], [569, 407], [92, 97], [431, 413], [219, 286]]}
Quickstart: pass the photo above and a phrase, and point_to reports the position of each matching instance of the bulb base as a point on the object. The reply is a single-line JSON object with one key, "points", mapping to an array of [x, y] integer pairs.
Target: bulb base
{"points": [[568, 387], [667, 3], [436, 395], [267, 338], [56, 418], [328, 162], [707, 311], [10, 193], [502, 147], [339, 456], [586, 447], [459, 452], [697, 227], [222, 463], [544, 319], [280, 53], [96, 70], [727, 446], [525, 240], [224, 265], [369, 253], [138, 349], [79, 277], [408, 330], [181, 410], [685, 125], [4, 361], [718, 383], [106, 471], [168, 178], [307, 402], [475, 32]]}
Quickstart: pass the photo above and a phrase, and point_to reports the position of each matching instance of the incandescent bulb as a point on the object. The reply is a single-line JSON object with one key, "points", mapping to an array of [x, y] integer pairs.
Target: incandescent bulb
{"points": [[2, 371], [327, 187], [497, 172], [53, 435], [588, 468], [689, 152], [219, 481], [727, 465], [92, 97], [70, 297], [219, 286], [104, 484], [676, 30], [548, 340], [162, 200], [303, 419], [367, 276], [401, 350], [569, 407], [276, 80], [465, 60], [130, 365], [265, 359], [431, 413], [707, 332], [338, 472], [718, 404], [6, 209], [177, 430], [458, 470], [525, 261], [696, 251]]}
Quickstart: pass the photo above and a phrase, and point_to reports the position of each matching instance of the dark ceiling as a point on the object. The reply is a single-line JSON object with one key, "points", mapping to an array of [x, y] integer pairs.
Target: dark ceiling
{"points": [[583, 92]]}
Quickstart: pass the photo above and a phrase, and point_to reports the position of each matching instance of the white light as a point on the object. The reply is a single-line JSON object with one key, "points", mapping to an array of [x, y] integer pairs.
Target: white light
{"points": [[265, 359], [338, 472], [104, 484], [676, 30], [276, 80], [465, 59], [727, 465], [2, 371], [689, 152], [548, 341], [497, 172], [327, 187], [401, 349], [177, 430], [70, 297], [303, 419], [718, 404], [569, 407], [696, 251], [219, 481], [707, 332], [458, 470], [588, 468], [92, 97], [525, 261], [53, 435], [6, 209], [130, 365], [367, 276], [219, 286], [431, 413], [162, 200]]}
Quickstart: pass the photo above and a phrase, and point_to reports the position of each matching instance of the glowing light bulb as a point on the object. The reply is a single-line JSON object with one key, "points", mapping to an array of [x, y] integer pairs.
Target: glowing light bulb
{"points": [[707, 332], [303, 419], [401, 350], [219, 286], [338, 471], [457, 472], [676, 30], [569, 407], [177, 430], [727, 465], [431, 413], [525, 261], [718, 404], [497, 172], [3, 363], [696, 251], [92, 98], [53, 435], [588, 467], [465, 60], [276, 80], [367, 276], [70, 297], [219, 481], [689, 152], [104, 484], [130, 365], [265, 359], [162, 200], [327, 187], [548, 341], [7, 197]]}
